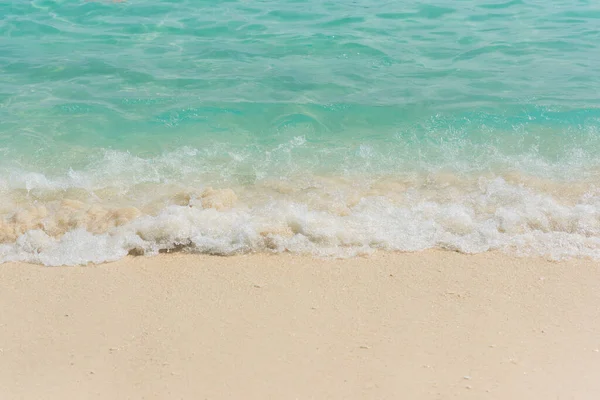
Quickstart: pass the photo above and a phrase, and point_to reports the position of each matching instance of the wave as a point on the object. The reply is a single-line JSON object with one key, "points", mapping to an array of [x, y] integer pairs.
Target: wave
{"points": [[322, 216]]}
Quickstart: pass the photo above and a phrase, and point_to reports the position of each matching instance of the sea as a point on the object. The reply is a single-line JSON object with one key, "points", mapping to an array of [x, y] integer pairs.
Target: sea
{"points": [[318, 127]]}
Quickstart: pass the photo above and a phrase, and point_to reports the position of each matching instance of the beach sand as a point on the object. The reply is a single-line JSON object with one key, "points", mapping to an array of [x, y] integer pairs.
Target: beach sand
{"points": [[430, 325]]}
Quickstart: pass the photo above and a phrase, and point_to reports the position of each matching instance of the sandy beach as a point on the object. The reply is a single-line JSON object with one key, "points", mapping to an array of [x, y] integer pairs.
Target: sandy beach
{"points": [[431, 325]]}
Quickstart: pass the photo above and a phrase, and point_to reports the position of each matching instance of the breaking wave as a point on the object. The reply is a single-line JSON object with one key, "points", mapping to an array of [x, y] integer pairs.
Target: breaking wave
{"points": [[75, 219]]}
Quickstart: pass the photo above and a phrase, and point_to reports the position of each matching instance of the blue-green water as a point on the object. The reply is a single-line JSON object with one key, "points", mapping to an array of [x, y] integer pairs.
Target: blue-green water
{"points": [[331, 128]]}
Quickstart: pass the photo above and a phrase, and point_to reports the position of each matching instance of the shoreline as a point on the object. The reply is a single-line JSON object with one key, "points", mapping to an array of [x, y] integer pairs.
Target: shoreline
{"points": [[433, 324], [323, 217]]}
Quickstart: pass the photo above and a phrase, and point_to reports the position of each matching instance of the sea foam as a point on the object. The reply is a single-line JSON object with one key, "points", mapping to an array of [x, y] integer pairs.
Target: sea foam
{"points": [[321, 216]]}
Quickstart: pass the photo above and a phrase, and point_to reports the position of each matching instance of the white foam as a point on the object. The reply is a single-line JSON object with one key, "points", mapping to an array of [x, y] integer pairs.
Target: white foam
{"points": [[491, 214]]}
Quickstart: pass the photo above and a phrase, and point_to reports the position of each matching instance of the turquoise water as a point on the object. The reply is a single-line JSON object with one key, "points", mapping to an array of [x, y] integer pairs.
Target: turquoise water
{"points": [[330, 128]]}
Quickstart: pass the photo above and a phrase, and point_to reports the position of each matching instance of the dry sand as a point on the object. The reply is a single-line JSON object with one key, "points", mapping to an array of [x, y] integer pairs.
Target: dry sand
{"points": [[431, 325]]}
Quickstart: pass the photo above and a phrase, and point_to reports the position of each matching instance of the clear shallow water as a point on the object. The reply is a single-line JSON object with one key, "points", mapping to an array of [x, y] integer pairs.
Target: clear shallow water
{"points": [[331, 128]]}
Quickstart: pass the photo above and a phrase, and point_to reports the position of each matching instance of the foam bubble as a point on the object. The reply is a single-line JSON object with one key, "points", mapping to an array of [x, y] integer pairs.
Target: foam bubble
{"points": [[323, 217]]}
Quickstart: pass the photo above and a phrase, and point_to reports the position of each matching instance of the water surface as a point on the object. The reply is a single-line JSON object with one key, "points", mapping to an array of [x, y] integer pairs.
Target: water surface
{"points": [[330, 128]]}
